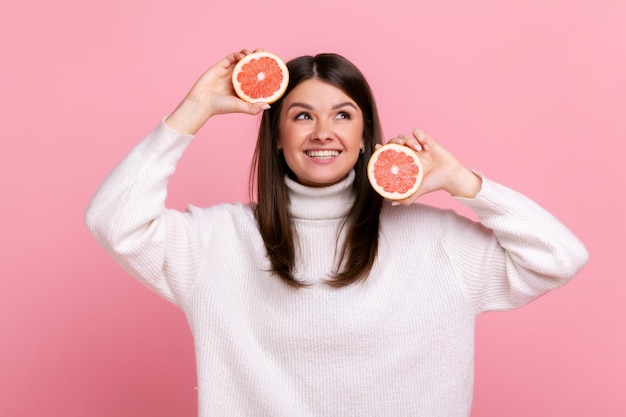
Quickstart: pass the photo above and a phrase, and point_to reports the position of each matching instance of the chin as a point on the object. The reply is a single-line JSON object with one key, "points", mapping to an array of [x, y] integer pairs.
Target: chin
{"points": [[322, 182]]}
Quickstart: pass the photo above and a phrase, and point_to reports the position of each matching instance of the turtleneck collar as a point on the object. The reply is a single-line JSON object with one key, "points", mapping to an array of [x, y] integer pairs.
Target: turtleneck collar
{"points": [[321, 203]]}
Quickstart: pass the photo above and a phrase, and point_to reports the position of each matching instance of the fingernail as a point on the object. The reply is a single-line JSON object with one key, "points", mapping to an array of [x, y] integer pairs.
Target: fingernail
{"points": [[417, 147], [395, 203], [266, 106]]}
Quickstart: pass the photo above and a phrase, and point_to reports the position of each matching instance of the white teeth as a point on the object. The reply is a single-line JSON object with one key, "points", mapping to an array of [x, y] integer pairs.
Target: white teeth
{"points": [[322, 154]]}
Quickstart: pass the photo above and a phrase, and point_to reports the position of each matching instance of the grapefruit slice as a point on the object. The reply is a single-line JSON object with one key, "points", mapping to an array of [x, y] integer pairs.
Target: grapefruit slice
{"points": [[395, 171], [260, 77]]}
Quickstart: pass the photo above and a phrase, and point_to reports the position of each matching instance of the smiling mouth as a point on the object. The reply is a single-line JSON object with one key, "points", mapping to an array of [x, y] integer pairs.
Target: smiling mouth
{"points": [[322, 154]]}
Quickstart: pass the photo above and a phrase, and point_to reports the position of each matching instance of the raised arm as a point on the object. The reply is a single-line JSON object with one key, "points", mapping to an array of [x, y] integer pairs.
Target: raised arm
{"points": [[127, 215], [518, 252], [211, 95]]}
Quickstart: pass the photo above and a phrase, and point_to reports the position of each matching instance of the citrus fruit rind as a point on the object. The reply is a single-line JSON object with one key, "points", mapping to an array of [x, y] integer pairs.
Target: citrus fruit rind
{"points": [[395, 171], [260, 77]]}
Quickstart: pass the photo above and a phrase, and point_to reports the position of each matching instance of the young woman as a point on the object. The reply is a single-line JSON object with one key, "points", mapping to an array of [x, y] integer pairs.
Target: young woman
{"points": [[321, 299]]}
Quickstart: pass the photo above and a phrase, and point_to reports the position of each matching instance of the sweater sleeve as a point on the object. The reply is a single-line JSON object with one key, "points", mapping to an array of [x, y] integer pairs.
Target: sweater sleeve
{"points": [[128, 218], [515, 254]]}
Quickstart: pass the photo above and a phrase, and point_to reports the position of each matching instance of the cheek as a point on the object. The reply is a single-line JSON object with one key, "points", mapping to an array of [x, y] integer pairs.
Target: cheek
{"points": [[356, 136], [288, 136]]}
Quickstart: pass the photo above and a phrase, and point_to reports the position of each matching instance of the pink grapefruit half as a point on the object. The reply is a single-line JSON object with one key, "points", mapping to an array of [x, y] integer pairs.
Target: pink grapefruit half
{"points": [[260, 77], [395, 171]]}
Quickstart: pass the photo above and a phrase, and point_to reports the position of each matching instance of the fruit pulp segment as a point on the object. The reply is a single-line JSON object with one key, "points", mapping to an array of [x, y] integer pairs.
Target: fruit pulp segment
{"points": [[260, 77], [395, 172]]}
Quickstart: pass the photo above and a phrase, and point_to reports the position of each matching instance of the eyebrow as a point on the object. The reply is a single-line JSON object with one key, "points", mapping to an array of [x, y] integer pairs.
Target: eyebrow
{"points": [[309, 107]]}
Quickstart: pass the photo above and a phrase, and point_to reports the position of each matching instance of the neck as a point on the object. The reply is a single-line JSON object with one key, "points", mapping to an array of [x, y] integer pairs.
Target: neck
{"points": [[321, 203]]}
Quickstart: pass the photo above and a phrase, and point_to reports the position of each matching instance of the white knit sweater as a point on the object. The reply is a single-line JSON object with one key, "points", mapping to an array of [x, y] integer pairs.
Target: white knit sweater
{"points": [[398, 344]]}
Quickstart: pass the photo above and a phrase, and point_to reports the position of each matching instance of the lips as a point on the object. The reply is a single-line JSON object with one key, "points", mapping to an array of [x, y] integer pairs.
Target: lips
{"points": [[322, 154]]}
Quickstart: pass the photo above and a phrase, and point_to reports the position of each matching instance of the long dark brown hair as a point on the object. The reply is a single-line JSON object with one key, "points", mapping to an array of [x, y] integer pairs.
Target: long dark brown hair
{"points": [[269, 168]]}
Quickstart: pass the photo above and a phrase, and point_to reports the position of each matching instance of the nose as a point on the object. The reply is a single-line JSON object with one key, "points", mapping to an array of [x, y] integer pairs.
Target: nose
{"points": [[323, 130]]}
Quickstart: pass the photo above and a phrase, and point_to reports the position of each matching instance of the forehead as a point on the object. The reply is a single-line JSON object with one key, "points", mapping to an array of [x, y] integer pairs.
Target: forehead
{"points": [[317, 93]]}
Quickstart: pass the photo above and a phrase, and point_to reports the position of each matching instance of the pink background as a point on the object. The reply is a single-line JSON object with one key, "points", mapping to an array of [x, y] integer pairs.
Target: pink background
{"points": [[532, 93]]}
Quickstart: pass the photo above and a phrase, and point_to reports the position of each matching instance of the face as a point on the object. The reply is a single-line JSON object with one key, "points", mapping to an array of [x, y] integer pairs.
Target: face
{"points": [[320, 133]]}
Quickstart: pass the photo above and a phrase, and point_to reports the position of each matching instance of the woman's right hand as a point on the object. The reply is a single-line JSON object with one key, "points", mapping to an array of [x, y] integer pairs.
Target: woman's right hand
{"points": [[212, 94]]}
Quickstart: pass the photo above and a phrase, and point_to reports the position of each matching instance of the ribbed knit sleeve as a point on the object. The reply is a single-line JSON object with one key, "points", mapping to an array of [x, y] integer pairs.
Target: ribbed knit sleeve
{"points": [[518, 252], [128, 218]]}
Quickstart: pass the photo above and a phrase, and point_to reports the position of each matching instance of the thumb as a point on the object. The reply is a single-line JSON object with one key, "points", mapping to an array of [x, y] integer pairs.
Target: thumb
{"points": [[255, 108]]}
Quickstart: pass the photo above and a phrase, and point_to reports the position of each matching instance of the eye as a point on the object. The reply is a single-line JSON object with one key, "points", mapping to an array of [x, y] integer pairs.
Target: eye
{"points": [[344, 115], [302, 116]]}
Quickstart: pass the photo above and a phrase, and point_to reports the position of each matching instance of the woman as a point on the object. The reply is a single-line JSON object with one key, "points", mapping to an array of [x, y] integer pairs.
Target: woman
{"points": [[321, 300]]}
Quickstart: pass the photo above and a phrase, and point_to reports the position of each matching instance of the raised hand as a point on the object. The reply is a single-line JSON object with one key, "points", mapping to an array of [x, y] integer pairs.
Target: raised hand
{"points": [[212, 94], [442, 170]]}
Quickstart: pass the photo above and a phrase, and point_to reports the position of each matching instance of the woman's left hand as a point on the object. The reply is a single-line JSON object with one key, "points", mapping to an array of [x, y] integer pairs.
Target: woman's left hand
{"points": [[442, 170]]}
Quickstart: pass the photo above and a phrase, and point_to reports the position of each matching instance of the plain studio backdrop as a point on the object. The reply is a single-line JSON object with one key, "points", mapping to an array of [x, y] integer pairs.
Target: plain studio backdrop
{"points": [[532, 93]]}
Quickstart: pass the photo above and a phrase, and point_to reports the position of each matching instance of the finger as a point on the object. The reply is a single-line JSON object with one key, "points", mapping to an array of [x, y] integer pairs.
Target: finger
{"points": [[231, 59], [236, 57], [409, 141], [422, 138], [399, 139], [254, 108]]}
